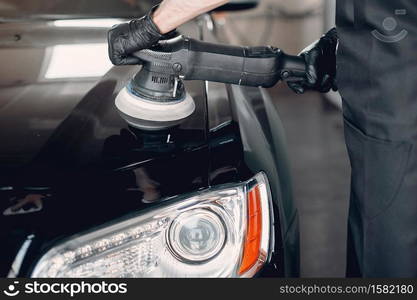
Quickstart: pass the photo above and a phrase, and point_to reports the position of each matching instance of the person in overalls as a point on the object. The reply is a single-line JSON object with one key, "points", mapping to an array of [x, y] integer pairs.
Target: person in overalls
{"points": [[371, 58]]}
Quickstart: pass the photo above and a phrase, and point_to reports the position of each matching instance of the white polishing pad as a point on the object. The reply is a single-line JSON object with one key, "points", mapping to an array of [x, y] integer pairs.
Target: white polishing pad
{"points": [[143, 109]]}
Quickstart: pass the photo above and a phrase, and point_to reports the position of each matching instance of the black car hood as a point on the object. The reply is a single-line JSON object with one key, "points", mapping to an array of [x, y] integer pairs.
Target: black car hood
{"points": [[63, 142]]}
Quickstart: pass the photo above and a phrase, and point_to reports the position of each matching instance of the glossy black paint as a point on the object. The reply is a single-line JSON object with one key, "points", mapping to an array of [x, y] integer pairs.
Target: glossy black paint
{"points": [[62, 139]]}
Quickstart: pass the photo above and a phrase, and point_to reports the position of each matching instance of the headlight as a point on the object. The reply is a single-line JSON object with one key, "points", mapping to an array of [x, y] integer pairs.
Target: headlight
{"points": [[220, 232]]}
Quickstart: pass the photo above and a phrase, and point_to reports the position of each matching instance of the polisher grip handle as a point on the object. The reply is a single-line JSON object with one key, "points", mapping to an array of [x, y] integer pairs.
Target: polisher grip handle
{"points": [[250, 66]]}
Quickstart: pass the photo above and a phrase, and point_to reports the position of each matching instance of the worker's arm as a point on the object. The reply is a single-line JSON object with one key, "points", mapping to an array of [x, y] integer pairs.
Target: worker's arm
{"points": [[127, 38], [173, 13]]}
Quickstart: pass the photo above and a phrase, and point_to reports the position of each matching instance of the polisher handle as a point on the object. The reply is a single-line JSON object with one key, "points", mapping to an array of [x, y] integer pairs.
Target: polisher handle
{"points": [[196, 60], [250, 66]]}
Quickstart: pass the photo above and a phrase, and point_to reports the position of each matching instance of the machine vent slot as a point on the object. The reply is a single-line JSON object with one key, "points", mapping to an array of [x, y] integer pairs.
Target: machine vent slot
{"points": [[161, 80]]}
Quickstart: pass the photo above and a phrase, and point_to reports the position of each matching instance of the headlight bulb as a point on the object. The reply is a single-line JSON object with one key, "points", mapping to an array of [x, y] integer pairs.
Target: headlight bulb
{"points": [[197, 235]]}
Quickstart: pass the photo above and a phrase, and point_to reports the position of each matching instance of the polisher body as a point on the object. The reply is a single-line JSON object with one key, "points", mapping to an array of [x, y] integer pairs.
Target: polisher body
{"points": [[156, 98]]}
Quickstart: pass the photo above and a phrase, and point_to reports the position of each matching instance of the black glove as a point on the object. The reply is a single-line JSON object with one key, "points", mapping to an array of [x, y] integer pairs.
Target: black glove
{"points": [[320, 58], [127, 38]]}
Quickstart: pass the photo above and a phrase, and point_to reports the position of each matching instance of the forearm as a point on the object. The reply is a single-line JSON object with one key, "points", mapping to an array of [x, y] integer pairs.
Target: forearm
{"points": [[173, 13]]}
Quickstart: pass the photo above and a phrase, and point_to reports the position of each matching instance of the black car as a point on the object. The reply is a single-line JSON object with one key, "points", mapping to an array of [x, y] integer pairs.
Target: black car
{"points": [[82, 194]]}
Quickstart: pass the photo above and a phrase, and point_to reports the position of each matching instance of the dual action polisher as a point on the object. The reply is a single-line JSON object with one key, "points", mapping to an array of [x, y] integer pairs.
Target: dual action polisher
{"points": [[156, 98]]}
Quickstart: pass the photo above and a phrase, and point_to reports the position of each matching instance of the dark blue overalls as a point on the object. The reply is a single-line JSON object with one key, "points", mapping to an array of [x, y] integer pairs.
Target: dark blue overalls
{"points": [[377, 77]]}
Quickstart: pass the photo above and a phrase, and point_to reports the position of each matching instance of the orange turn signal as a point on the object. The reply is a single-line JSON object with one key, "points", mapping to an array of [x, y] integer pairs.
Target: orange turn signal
{"points": [[251, 250]]}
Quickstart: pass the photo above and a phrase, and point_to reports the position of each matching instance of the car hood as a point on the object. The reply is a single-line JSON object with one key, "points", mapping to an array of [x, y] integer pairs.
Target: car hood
{"points": [[66, 155]]}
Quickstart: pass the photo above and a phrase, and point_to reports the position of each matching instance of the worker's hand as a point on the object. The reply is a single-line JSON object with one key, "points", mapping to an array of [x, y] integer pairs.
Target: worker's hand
{"points": [[320, 58], [127, 38]]}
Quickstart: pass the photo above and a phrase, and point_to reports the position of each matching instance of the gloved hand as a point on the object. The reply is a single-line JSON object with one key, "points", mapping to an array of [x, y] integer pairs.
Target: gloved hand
{"points": [[320, 58], [127, 38]]}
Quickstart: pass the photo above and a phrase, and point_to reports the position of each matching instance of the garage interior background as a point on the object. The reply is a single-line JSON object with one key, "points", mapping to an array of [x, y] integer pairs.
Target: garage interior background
{"points": [[314, 128]]}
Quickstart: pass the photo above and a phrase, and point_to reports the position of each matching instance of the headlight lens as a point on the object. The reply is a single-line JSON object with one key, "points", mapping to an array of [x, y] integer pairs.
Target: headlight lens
{"points": [[197, 235], [221, 232]]}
